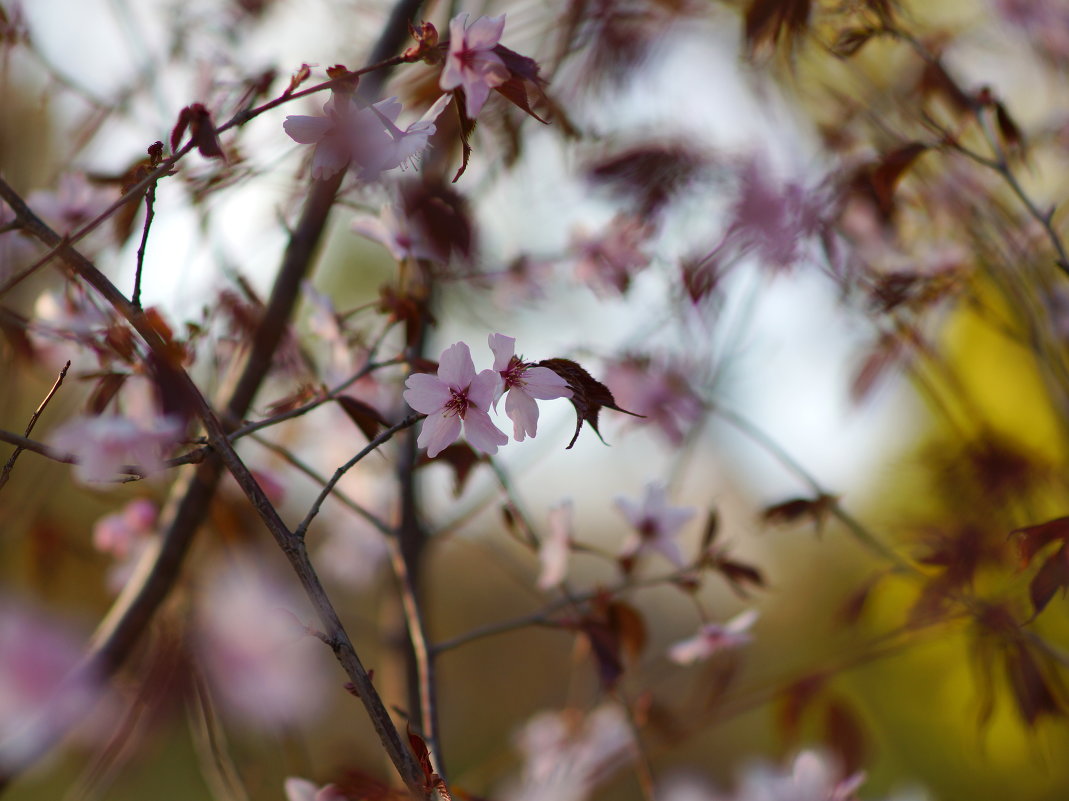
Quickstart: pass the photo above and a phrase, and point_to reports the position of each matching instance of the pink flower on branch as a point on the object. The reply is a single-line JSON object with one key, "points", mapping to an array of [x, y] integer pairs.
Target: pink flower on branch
{"points": [[714, 637], [524, 383], [471, 63], [367, 139], [656, 526], [455, 396]]}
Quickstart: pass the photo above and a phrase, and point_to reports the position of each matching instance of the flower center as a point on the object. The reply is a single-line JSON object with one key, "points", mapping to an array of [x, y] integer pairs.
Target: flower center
{"points": [[457, 405]]}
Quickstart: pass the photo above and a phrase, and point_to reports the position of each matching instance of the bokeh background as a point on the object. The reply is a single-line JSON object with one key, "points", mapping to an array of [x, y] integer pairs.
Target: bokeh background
{"points": [[932, 418]]}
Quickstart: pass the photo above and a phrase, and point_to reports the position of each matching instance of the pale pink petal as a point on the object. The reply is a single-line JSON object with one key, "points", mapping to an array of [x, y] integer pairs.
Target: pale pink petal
{"points": [[390, 108], [328, 159], [425, 393], [475, 96], [299, 789], [523, 412], [306, 130], [544, 384], [504, 348], [484, 33], [484, 388], [455, 366], [556, 547], [439, 431], [481, 432]]}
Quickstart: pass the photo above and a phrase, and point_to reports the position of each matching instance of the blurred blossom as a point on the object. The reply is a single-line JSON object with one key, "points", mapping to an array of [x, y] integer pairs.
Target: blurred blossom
{"points": [[73, 203], [118, 533], [16, 249], [392, 230], [658, 390], [367, 139], [103, 445], [125, 535], [303, 790], [714, 637], [525, 279], [775, 220], [352, 552], [1044, 22], [523, 383], [608, 261], [36, 656], [566, 755], [656, 525], [265, 667], [471, 63], [556, 546], [813, 776], [454, 395]]}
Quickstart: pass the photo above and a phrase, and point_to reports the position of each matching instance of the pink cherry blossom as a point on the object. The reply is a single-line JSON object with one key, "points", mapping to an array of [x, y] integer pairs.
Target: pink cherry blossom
{"points": [[456, 395], [367, 138], [104, 445], [471, 62], [656, 525], [556, 547], [714, 637], [524, 383]]}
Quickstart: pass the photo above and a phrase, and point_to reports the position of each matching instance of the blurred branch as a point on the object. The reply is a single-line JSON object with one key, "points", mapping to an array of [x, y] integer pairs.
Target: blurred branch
{"points": [[140, 599]]}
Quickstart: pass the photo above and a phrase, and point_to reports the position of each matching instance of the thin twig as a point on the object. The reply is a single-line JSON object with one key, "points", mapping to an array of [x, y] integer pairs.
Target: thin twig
{"points": [[150, 213], [383, 437], [5, 474]]}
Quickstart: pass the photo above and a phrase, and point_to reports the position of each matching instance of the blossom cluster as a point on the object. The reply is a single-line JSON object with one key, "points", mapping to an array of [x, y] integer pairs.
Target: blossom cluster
{"points": [[457, 397]]}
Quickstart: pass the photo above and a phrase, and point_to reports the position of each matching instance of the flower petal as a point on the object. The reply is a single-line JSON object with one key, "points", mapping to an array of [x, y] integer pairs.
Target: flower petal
{"points": [[544, 384], [481, 432], [306, 130], [523, 412], [484, 389], [425, 393], [455, 366], [484, 33], [439, 432], [504, 348]]}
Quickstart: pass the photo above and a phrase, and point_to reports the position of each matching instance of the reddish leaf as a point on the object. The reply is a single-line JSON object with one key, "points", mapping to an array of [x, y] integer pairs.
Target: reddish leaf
{"points": [[1008, 127], [423, 756], [850, 611], [1032, 689], [712, 528], [652, 173], [13, 327], [198, 120], [936, 80], [886, 175], [459, 456], [851, 40], [589, 395], [1051, 577], [793, 703], [366, 417], [817, 509], [306, 393], [409, 309], [106, 389], [1032, 539], [299, 77], [605, 647], [629, 626], [845, 735], [769, 20], [888, 352], [739, 575], [442, 217]]}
